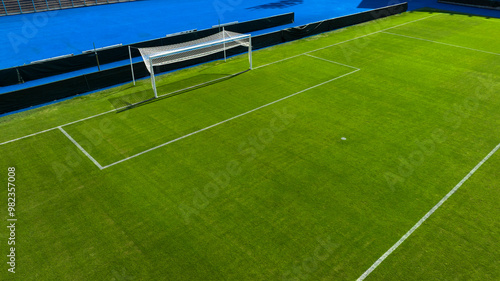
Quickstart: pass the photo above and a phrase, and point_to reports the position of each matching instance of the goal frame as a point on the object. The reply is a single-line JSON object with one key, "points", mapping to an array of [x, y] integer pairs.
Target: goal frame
{"points": [[223, 42]]}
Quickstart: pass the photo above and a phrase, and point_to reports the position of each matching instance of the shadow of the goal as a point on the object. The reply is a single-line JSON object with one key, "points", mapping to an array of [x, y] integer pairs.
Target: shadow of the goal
{"points": [[146, 96], [131, 100]]}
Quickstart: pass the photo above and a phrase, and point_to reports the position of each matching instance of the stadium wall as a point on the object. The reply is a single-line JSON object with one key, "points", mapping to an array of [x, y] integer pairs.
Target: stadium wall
{"points": [[495, 4], [38, 70], [90, 82]]}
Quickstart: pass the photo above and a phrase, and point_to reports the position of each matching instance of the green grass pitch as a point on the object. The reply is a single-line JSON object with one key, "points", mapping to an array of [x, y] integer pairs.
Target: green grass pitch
{"points": [[248, 178]]}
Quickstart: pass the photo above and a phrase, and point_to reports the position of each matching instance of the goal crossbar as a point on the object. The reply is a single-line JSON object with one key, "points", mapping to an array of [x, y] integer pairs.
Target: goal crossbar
{"points": [[199, 46]]}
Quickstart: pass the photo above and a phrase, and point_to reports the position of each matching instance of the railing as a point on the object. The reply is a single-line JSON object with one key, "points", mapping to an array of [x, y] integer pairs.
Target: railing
{"points": [[16, 7]]}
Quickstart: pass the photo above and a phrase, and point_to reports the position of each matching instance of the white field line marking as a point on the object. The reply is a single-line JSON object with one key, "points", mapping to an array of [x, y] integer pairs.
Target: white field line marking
{"points": [[93, 116], [81, 148], [44, 131], [452, 45], [322, 48], [229, 119], [424, 218], [331, 61], [27, 136], [114, 110]]}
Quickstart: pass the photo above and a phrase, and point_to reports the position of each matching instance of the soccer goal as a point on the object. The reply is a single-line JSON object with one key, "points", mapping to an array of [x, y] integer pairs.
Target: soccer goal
{"points": [[217, 43]]}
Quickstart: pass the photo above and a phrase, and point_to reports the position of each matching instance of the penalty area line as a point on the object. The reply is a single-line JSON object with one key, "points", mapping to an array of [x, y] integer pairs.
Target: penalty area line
{"points": [[278, 61], [227, 120], [426, 216], [81, 148]]}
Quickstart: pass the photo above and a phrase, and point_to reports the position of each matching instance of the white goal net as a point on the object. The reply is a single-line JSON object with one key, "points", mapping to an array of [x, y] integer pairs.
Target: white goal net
{"points": [[219, 42]]}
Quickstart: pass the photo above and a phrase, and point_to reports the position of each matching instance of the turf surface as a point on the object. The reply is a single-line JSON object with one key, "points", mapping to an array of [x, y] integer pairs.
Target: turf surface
{"points": [[275, 194]]}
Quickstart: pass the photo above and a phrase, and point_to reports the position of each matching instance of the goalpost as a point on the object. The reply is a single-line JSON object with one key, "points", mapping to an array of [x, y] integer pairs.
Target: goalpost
{"points": [[167, 54]]}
